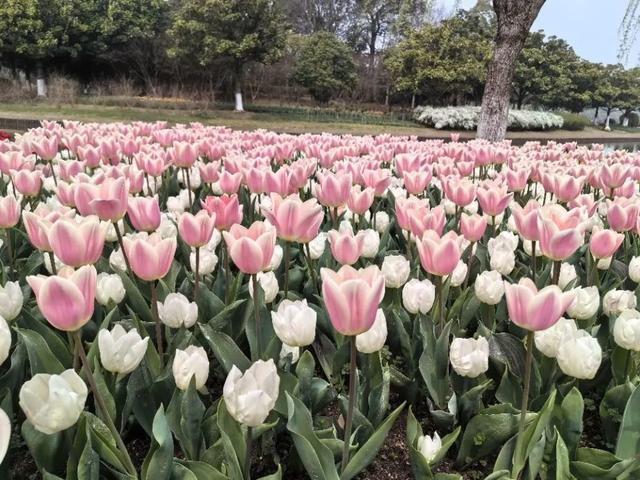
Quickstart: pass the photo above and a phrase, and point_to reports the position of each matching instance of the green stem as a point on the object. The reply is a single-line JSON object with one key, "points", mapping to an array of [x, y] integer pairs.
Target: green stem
{"points": [[227, 273], [440, 295], [189, 193], [156, 319], [312, 273], [256, 317], [352, 402], [533, 261], [556, 272], [102, 405], [52, 259], [196, 275], [53, 173], [121, 243], [247, 455], [287, 254], [525, 396]]}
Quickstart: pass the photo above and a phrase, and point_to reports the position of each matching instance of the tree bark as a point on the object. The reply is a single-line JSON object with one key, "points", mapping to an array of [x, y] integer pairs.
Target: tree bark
{"points": [[237, 90], [515, 18], [41, 81]]}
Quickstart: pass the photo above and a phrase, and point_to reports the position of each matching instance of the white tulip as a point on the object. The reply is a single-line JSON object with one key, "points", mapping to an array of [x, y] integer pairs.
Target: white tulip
{"points": [[489, 287], [634, 269], [59, 265], [110, 289], [505, 240], [396, 270], [381, 220], [116, 261], [269, 283], [53, 403], [567, 275], [345, 227], [497, 220], [429, 446], [317, 245], [167, 228], [208, 261], [472, 208], [626, 330], [177, 311], [617, 301], [373, 339], [276, 258], [5, 434], [503, 260], [5, 340], [469, 357], [527, 246], [604, 263], [449, 206], [287, 350], [586, 303], [295, 323], [418, 296], [250, 397], [459, 274], [548, 341], [112, 235], [371, 243], [121, 351], [188, 363], [11, 300], [580, 356]]}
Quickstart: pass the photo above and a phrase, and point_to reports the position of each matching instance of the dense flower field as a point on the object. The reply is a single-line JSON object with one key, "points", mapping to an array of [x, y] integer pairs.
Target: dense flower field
{"points": [[255, 305], [466, 118]]}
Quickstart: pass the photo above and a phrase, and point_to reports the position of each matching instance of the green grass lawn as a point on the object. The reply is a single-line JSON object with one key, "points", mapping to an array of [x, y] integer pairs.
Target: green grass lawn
{"points": [[281, 119]]}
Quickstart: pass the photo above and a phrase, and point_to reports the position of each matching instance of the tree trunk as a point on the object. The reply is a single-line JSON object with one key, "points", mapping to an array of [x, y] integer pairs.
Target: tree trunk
{"points": [[238, 78], [595, 117], [413, 101], [41, 81], [515, 18]]}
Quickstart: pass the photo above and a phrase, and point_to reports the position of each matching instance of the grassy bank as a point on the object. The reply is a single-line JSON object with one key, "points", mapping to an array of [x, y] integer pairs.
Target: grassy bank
{"points": [[282, 120]]}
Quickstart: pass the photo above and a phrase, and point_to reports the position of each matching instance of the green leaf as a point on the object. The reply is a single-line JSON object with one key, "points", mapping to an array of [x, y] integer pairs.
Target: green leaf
{"points": [[434, 363], [612, 408], [225, 349], [570, 421], [48, 451], [233, 441], [158, 465], [562, 460], [192, 411], [367, 452], [315, 456], [594, 464], [58, 347], [201, 470], [135, 298], [628, 444], [41, 359], [104, 391], [274, 476]]}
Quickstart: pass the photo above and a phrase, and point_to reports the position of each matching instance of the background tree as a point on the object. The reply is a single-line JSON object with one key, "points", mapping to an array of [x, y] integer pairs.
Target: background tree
{"points": [[325, 66], [311, 16], [513, 22], [228, 34]]}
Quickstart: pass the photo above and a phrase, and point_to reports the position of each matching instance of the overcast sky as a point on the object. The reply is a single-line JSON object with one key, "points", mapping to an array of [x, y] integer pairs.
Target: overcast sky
{"points": [[590, 26]]}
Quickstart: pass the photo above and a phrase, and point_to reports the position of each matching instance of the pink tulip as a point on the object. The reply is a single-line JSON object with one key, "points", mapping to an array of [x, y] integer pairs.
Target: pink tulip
{"points": [[66, 303], [416, 182], [378, 179], [9, 212], [460, 191], [255, 179], [517, 179], [209, 172], [184, 154], [351, 297], [26, 182], [77, 243], [536, 310], [281, 182], [150, 256], [333, 190], [65, 193], [422, 219], [439, 255], [567, 187], [37, 230], [472, 227], [295, 220], [346, 247], [559, 244], [360, 199], [196, 230], [604, 243], [250, 248], [46, 148], [622, 215], [527, 220], [405, 207], [613, 176], [230, 182], [144, 213], [493, 200], [226, 210], [111, 200]]}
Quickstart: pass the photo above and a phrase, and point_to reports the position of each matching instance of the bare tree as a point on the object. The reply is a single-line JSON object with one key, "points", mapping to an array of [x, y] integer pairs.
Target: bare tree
{"points": [[514, 19]]}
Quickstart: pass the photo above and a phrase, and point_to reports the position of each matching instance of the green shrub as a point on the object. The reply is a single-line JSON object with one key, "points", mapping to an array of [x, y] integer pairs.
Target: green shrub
{"points": [[573, 121], [634, 120]]}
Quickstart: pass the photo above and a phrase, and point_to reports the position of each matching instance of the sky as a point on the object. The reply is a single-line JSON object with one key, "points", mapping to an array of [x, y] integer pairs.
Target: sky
{"points": [[589, 26]]}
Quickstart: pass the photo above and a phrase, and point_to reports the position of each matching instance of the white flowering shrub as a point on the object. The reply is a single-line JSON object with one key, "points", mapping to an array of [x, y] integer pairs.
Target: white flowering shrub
{"points": [[466, 118]]}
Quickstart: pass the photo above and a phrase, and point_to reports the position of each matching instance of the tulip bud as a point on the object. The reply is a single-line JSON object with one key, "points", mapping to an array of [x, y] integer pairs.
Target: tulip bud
{"points": [[503, 260], [382, 221], [418, 296], [617, 301], [11, 300], [459, 274], [276, 258], [489, 287], [177, 311], [110, 289], [293, 352], [317, 245], [5, 340], [371, 243], [295, 323], [116, 261], [53, 403], [548, 341], [373, 339], [396, 270], [567, 275], [269, 283], [469, 357], [429, 446], [580, 356], [604, 263], [634, 269], [250, 397], [626, 331], [121, 351], [586, 303], [191, 362], [208, 261], [5, 434]]}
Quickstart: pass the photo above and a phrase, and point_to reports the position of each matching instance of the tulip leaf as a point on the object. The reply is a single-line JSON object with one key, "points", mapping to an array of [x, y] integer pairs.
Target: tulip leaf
{"points": [[233, 442], [419, 465], [628, 444], [103, 442], [304, 371], [105, 393], [225, 349], [367, 452], [41, 359], [48, 451], [201, 470], [378, 385], [137, 301], [315, 456], [89, 463], [180, 472], [594, 464], [192, 411], [562, 459], [58, 347], [434, 362], [569, 421], [612, 408], [274, 476], [158, 463]]}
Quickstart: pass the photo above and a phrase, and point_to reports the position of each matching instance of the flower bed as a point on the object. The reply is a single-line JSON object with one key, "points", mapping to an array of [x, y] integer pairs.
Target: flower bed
{"points": [[466, 118], [204, 303]]}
